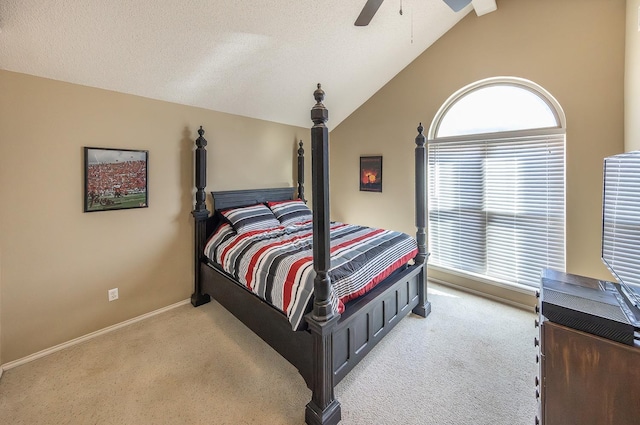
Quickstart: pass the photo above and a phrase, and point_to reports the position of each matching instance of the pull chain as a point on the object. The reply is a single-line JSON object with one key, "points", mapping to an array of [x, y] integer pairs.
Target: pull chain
{"points": [[411, 20]]}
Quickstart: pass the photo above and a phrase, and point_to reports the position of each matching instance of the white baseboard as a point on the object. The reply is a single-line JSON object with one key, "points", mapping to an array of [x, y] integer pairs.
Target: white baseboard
{"points": [[87, 337]]}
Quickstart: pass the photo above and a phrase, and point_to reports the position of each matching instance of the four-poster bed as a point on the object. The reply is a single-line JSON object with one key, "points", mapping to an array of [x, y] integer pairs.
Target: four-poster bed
{"points": [[329, 344]]}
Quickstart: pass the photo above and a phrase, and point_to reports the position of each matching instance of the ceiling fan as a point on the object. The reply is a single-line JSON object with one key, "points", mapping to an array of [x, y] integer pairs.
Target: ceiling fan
{"points": [[371, 7]]}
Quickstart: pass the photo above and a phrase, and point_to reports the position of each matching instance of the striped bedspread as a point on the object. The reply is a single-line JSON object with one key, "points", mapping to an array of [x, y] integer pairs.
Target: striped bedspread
{"points": [[277, 264]]}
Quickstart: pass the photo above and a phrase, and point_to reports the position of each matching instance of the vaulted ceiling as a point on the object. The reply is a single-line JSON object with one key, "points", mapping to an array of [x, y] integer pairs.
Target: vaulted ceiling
{"points": [[255, 58]]}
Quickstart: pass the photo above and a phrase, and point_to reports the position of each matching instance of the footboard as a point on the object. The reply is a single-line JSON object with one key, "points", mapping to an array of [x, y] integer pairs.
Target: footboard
{"points": [[368, 319]]}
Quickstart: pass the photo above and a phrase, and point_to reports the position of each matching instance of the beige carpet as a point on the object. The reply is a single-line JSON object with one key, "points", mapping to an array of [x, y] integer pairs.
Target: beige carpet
{"points": [[472, 361]]}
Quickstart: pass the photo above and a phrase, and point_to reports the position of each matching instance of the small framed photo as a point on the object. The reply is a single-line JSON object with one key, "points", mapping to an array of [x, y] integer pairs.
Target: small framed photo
{"points": [[371, 173], [115, 179]]}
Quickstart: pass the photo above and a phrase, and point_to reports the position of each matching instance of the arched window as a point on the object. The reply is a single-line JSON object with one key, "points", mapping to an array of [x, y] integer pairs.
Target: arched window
{"points": [[496, 182]]}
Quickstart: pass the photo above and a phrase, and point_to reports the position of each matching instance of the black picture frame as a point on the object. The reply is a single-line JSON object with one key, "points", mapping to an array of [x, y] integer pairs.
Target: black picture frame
{"points": [[371, 173], [115, 179]]}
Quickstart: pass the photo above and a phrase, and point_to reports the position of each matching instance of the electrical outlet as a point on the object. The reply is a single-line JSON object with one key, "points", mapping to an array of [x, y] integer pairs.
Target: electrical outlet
{"points": [[113, 294]]}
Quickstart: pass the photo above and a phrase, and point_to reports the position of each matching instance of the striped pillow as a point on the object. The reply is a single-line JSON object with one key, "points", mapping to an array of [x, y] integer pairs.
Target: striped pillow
{"points": [[291, 212], [248, 219]]}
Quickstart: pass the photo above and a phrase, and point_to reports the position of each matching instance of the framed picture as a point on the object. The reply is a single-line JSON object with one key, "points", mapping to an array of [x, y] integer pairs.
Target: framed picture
{"points": [[371, 173], [115, 179]]}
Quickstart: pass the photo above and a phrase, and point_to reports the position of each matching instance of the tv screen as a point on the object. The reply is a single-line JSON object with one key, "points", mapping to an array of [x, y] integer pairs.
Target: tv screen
{"points": [[621, 222]]}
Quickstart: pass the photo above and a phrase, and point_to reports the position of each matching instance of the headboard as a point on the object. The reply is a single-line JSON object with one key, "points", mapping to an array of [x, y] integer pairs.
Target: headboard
{"points": [[243, 198]]}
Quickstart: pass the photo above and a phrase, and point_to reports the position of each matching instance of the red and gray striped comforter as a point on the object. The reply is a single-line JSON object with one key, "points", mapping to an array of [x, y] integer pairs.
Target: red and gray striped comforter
{"points": [[277, 264]]}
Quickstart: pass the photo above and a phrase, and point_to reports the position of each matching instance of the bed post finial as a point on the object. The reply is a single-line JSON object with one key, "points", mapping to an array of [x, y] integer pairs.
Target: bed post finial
{"points": [[424, 306], [319, 114], [319, 94], [201, 171], [323, 409], [301, 172]]}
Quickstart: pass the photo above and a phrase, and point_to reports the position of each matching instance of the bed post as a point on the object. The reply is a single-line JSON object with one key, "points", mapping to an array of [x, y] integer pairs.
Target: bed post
{"points": [[424, 306], [200, 215], [301, 173], [323, 409]]}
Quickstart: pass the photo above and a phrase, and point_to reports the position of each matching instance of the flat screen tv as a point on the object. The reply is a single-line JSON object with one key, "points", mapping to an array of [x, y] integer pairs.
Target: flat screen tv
{"points": [[621, 227]]}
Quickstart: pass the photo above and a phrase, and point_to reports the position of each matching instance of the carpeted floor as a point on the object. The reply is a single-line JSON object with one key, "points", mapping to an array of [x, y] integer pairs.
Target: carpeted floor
{"points": [[472, 361]]}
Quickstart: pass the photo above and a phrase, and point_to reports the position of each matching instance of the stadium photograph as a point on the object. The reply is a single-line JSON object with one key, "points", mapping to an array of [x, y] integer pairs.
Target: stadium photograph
{"points": [[115, 179]]}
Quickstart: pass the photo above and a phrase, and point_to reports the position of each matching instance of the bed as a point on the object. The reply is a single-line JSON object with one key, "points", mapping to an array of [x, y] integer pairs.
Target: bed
{"points": [[328, 338]]}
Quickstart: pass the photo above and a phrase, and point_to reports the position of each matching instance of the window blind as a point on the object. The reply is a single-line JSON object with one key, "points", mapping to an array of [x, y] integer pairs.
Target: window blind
{"points": [[621, 217], [496, 205]]}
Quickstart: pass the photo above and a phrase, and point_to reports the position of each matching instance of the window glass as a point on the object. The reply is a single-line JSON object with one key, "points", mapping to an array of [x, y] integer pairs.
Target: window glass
{"points": [[496, 108]]}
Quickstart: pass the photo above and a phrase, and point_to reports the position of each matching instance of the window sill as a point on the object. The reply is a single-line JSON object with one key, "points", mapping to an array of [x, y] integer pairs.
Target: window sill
{"points": [[518, 295]]}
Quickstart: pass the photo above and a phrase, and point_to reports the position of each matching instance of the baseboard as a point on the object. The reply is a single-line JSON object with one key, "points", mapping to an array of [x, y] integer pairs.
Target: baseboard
{"points": [[482, 294], [89, 336]]}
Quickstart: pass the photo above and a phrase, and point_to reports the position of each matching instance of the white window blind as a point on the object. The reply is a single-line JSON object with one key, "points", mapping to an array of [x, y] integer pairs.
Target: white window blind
{"points": [[621, 217], [496, 205]]}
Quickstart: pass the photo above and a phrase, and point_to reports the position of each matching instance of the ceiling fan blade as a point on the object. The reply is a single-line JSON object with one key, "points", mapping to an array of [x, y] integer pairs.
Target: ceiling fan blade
{"points": [[457, 5], [369, 9]]}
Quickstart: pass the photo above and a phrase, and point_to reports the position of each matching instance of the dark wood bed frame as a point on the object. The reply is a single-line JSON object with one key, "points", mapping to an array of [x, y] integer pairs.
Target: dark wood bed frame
{"points": [[332, 344]]}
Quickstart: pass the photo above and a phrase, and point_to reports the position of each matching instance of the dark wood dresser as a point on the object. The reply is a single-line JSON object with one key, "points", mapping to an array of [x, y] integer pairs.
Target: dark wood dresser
{"points": [[584, 378]]}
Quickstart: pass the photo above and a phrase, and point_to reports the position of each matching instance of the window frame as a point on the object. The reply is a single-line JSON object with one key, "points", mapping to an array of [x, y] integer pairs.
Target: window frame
{"points": [[559, 129]]}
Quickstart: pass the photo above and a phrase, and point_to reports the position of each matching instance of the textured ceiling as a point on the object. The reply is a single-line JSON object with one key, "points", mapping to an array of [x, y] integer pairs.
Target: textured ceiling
{"points": [[256, 58]]}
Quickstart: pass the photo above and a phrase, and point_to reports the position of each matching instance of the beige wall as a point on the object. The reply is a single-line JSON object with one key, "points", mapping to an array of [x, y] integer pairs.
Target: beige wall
{"points": [[632, 78], [572, 48], [58, 262]]}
